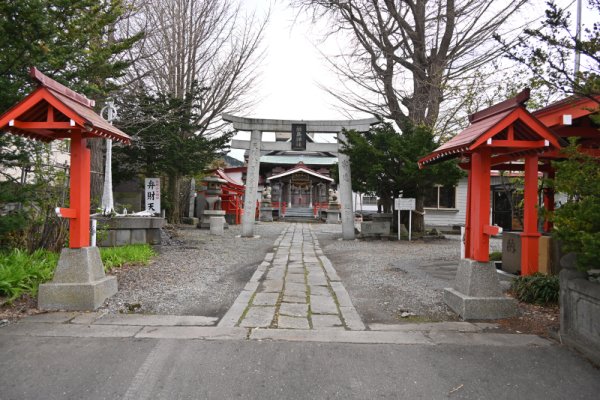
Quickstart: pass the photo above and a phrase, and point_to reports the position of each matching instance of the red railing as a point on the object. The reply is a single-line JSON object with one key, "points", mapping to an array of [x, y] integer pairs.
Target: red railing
{"points": [[319, 206], [280, 206]]}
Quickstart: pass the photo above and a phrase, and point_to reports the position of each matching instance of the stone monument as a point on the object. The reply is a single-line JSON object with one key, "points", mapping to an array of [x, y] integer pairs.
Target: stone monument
{"points": [[212, 196], [333, 208], [266, 208], [190, 218]]}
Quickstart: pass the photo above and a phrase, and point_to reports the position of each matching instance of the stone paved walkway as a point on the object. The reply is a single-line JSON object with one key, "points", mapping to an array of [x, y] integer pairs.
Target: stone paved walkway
{"points": [[295, 287]]}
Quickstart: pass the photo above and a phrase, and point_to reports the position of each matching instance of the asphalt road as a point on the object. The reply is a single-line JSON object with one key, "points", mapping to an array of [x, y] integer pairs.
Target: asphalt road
{"points": [[129, 368]]}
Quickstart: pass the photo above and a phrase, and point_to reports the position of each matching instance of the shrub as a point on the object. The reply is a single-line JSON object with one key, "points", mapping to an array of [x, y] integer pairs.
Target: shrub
{"points": [[496, 256], [577, 222], [115, 257], [22, 273], [537, 288]]}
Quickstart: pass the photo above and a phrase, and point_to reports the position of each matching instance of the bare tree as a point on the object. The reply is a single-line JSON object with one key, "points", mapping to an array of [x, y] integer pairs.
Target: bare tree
{"points": [[407, 57], [208, 46]]}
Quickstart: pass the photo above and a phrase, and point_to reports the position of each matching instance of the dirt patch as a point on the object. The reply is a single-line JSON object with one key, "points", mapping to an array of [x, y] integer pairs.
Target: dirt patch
{"points": [[21, 307], [532, 319]]}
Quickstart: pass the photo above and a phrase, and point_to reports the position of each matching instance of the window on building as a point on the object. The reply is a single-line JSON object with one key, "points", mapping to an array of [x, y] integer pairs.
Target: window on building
{"points": [[369, 200], [440, 197]]}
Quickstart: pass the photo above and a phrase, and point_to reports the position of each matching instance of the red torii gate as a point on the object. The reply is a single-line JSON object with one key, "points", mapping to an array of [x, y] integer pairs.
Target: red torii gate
{"points": [[498, 135], [52, 112]]}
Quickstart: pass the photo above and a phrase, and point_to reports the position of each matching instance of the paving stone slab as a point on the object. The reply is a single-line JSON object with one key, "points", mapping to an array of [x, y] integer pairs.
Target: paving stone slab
{"points": [[341, 336], [286, 322], [56, 317], [87, 318], [68, 330], [192, 332], [487, 339], [275, 274], [325, 321], [232, 316], [271, 285], [341, 294], [294, 309], [251, 286], [295, 288], [288, 298], [319, 290], [265, 299], [294, 278], [452, 326], [258, 317], [315, 279], [322, 305], [156, 320], [352, 319]]}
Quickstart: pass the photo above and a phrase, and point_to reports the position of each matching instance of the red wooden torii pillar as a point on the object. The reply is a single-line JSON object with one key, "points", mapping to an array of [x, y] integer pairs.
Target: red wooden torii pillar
{"points": [[498, 135], [54, 112]]}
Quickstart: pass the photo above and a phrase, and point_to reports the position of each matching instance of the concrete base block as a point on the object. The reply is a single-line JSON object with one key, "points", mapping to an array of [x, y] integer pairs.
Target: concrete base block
{"points": [[266, 214], [477, 293], [79, 282], [333, 216], [479, 307], [138, 236], [217, 225]]}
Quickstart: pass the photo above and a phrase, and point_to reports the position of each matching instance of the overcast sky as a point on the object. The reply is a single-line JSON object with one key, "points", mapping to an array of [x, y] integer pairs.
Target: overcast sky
{"points": [[293, 67]]}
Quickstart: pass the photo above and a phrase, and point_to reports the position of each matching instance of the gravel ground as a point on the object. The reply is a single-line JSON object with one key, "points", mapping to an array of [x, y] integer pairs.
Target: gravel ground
{"points": [[197, 274], [386, 278]]}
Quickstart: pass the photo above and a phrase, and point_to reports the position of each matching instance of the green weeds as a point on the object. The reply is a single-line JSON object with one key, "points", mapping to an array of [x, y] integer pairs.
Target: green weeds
{"points": [[115, 257], [21, 272], [537, 289]]}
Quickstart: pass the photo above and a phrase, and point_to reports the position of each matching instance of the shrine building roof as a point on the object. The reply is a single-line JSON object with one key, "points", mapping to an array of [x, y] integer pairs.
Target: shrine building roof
{"points": [[300, 167], [507, 127], [52, 111]]}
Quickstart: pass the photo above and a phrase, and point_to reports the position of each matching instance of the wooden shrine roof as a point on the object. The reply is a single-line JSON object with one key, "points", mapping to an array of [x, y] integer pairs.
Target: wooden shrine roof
{"points": [[52, 110], [300, 167], [507, 127]]}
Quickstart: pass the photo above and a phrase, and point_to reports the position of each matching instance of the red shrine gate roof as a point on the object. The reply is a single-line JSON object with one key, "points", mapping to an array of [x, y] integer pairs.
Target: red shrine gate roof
{"points": [[507, 127], [52, 110]]}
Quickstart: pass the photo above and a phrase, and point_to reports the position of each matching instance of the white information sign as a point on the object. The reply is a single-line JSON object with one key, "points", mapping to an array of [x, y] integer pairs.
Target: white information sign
{"points": [[405, 204], [152, 195]]}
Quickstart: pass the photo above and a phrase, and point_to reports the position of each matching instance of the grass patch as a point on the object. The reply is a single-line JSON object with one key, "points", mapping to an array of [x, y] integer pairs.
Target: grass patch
{"points": [[115, 257], [496, 256], [21, 273], [537, 289]]}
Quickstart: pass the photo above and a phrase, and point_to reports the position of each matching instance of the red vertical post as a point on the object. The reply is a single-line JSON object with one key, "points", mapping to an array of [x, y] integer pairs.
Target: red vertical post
{"points": [[467, 237], [480, 204], [530, 236], [79, 232], [549, 201]]}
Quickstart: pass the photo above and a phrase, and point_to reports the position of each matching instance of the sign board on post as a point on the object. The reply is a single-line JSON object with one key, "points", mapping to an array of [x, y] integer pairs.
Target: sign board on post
{"points": [[152, 195], [408, 204]]}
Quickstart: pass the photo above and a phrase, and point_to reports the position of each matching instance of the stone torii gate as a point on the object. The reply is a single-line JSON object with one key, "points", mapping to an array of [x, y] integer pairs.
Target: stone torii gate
{"points": [[255, 145]]}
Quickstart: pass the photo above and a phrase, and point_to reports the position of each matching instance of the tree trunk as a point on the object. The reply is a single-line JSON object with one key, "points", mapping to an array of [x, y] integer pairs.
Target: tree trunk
{"points": [[97, 175], [174, 215], [418, 222]]}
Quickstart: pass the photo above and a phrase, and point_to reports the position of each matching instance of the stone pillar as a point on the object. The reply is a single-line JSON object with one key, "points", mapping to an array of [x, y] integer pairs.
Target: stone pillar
{"points": [[192, 198], [251, 184], [345, 190]]}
